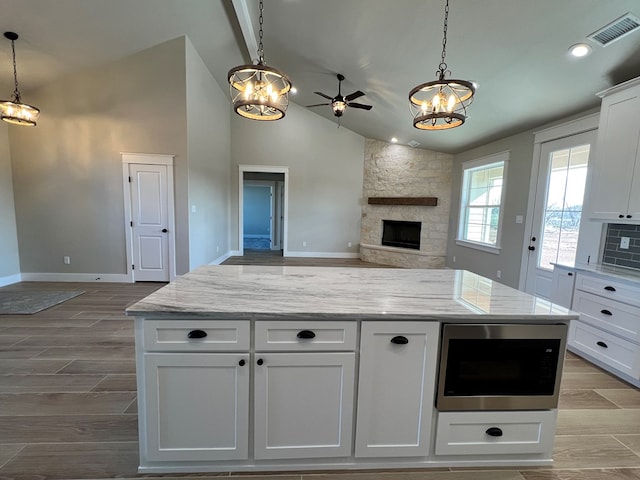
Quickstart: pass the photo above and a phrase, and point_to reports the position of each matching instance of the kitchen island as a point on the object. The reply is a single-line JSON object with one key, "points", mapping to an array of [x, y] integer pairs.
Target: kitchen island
{"points": [[248, 368]]}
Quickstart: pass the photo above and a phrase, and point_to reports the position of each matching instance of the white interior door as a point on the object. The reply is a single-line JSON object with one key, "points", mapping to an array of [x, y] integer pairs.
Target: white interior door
{"points": [[149, 224], [559, 199]]}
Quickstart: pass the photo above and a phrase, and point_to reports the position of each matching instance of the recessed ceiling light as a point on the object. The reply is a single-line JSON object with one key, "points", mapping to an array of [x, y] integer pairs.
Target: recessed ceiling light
{"points": [[580, 50], [394, 140]]}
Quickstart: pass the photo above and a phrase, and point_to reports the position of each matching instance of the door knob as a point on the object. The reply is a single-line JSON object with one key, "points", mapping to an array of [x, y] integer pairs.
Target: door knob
{"points": [[164, 230]]}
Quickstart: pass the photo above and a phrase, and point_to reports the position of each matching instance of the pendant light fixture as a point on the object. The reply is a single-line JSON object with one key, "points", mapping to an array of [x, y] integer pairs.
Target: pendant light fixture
{"points": [[259, 92], [14, 111], [441, 104]]}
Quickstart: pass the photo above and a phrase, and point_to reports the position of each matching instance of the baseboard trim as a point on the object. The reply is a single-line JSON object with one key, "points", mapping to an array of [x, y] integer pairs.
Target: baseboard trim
{"points": [[222, 258], [10, 279], [289, 253], [76, 277]]}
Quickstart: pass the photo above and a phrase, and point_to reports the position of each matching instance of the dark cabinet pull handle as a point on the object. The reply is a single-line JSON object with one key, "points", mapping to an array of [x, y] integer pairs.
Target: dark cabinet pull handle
{"points": [[629, 216], [197, 334], [532, 248], [400, 340], [241, 363], [494, 432], [260, 361], [606, 312], [602, 344], [306, 334], [620, 216], [610, 288], [570, 274], [164, 230]]}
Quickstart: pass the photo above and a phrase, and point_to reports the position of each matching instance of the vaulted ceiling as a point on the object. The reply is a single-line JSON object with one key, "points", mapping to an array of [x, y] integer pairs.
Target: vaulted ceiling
{"points": [[515, 50]]}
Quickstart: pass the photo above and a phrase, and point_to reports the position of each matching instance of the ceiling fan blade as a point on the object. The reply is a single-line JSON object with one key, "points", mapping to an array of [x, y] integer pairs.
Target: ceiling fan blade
{"points": [[360, 105], [324, 95], [354, 95], [318, 105]]}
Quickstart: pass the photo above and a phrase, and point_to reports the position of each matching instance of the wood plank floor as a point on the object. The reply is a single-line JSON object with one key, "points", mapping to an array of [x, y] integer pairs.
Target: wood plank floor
{"points": [[68, 411]]}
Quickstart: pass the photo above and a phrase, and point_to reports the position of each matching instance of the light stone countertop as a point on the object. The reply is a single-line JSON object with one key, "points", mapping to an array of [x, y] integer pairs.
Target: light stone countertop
{"points": [[625, 274], [234, 292]]}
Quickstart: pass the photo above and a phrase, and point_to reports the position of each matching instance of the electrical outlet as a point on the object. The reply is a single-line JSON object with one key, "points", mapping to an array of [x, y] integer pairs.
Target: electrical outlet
{"points": [[499, 274], [624, 243], [67, 260], [217, 248], [454, 259], [349, 244], [304, 244]]}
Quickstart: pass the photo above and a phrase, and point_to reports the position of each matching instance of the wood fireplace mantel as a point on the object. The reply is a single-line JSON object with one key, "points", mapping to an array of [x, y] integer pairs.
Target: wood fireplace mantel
{"points": [[424, 201]]}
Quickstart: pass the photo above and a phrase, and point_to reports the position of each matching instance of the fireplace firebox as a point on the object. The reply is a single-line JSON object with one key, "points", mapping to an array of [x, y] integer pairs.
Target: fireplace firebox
{"points": [[396, 233]]}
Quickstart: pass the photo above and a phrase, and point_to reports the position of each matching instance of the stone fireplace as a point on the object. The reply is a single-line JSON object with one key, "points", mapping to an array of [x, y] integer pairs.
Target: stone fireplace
{"points": [[409, 185]]}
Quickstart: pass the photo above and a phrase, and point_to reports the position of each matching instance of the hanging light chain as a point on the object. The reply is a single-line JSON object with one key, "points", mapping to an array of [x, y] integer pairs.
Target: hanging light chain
{"points": [[260, 45], [16, 92], [442, 68]]}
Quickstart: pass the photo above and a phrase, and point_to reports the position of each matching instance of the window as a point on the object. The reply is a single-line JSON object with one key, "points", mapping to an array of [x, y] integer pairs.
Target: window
{"points": [[481, 201], [566, 181]]}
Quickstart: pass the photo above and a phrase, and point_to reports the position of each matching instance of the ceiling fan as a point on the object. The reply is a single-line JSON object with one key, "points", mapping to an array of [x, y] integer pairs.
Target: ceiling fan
{"points": [[339, 103]]}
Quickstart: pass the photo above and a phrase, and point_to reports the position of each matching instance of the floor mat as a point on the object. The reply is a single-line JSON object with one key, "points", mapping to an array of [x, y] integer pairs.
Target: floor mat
{"points": [[19, 303]]}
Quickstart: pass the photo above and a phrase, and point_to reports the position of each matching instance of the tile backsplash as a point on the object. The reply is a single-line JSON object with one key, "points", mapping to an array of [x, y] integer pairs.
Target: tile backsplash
{"points": [[613, 254]]}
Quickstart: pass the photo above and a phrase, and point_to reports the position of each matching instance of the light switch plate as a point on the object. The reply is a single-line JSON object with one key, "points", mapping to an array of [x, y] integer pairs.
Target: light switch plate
{"points": [[624, 243]]}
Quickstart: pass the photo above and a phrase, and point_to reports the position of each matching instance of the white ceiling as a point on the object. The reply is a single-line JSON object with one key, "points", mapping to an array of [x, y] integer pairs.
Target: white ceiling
{"points": [[515, 50]]}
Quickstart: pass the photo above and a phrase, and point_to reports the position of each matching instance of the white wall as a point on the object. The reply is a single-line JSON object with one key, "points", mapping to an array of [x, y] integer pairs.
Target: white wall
{"points": [[325, 177], [9, 256], [68, 186], [209, 163]]}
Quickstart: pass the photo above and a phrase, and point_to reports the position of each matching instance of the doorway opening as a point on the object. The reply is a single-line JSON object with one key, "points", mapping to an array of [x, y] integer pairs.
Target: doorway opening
{"points": [[558, 233], [262, 210]]}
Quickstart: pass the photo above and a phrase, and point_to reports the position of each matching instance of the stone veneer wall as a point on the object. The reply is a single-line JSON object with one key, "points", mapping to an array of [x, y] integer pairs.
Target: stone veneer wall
{"points": [[398, 171]]}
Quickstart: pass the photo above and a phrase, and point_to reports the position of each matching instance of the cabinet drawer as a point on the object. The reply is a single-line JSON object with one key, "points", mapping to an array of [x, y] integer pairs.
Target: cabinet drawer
{"points": [[615, 352], [305, 336], [195, 335], [491, 433], [615, 317], [619, 291]]}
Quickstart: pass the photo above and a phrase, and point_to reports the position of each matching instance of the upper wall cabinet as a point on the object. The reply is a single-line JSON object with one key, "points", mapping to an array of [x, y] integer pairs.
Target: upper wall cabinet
{"points": [[615, 182]]}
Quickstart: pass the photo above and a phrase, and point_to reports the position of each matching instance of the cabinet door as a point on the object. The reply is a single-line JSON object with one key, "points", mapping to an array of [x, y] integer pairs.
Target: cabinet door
{"points": [[562, 286], [303, 405], [616, 156], [196, 406], [396, 388]]}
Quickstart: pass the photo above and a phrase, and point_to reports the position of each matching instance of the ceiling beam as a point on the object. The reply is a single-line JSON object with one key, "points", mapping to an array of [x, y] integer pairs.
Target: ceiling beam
{"points": [[244, 19]]}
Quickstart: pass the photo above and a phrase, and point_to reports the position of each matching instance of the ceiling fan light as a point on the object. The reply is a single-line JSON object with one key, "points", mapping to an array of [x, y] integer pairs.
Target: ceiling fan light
{"points": [[338, 107]]}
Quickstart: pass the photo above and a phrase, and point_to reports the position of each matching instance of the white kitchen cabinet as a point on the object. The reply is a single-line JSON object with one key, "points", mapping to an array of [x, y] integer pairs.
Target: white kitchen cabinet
{"points": [[490, 433], [615, 181], [398, 362], [196, 406], [303, 405], [608, 332], [563, 281]]}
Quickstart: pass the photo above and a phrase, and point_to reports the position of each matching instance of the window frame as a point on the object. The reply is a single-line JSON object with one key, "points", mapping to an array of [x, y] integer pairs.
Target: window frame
{"points": [[488, 161]]}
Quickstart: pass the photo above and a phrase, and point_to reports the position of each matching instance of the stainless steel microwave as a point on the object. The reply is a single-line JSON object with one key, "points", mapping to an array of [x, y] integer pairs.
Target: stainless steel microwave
{"points": [[500, 367]]}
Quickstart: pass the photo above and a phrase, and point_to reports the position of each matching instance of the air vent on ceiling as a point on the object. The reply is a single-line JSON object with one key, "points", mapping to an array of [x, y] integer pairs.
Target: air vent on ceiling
{"points": [[616, 30], [413, 143]]}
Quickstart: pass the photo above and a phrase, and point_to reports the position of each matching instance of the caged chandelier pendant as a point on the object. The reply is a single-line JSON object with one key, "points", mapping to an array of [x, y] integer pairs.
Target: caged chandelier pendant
{"points": [[14, 111], [259, 92], [441, 104]]}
